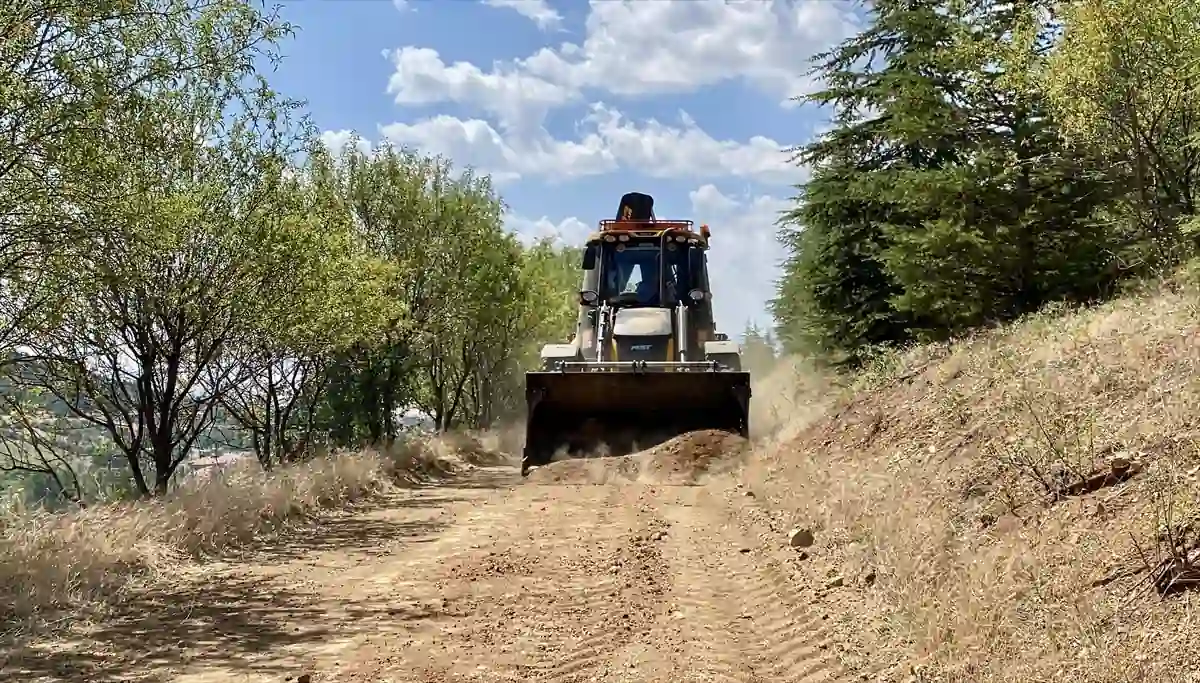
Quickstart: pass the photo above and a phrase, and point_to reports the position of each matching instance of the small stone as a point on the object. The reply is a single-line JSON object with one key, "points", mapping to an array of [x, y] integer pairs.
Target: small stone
{"points": [[801, 538], [868, 577], [748, 494], [304, 678], [743, 550], [1119, 463], [835, 582], [802, 555]]}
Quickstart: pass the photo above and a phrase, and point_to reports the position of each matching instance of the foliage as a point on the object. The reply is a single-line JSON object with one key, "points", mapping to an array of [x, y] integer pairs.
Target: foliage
{"points": [[185, 266], [1124, 81], [759, 354], [954, 189]]}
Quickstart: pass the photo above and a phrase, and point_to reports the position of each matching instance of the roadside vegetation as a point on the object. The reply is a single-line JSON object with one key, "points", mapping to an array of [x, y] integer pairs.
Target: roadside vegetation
{"points": [[988, 419], [986, 159], [188, 275]]}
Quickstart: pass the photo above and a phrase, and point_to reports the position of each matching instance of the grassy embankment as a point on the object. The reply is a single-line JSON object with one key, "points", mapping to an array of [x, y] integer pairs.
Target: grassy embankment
{"points": [[1012, 506]]}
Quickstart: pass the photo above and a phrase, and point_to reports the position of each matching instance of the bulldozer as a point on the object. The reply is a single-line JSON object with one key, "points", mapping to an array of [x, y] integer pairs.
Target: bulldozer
{"points": [[644, 363]]}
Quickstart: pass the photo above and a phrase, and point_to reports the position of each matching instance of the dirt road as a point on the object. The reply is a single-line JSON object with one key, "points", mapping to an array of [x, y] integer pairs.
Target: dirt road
{"points": [[489, 578]]}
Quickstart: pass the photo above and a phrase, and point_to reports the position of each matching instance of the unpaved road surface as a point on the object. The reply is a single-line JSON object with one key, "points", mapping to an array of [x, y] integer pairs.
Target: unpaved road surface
{"points": [[487, 578]]}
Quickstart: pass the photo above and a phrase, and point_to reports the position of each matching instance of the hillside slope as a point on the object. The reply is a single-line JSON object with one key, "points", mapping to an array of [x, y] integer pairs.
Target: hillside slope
{"points": [[1019, 506]]}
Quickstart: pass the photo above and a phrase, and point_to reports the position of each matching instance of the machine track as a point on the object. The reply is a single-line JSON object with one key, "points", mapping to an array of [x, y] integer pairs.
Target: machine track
{"points": [[495, 580]]}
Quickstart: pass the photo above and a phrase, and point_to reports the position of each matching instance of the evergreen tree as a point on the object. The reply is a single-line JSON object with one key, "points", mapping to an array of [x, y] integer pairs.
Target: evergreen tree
{"points": [[1005, 224], [944, 197], [758, 350], [889, 113]]}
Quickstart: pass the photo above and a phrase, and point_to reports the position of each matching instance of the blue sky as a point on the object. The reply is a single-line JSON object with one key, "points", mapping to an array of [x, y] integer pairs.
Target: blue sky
{"points": [[568, 104]]}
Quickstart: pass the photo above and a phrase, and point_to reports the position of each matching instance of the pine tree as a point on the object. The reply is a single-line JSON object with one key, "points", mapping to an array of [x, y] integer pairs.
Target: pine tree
{"points": [[1006, 224], [944, 197], [890, 114]]}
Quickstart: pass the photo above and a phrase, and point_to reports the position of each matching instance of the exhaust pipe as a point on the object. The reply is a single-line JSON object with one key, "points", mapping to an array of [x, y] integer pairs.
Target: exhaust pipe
{"points": [[682, 330], [602, 331]]}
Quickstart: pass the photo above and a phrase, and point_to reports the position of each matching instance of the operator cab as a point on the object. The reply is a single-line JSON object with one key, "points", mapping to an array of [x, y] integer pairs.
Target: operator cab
{"points": [[644, 262], [644, 281], [644, 272]]}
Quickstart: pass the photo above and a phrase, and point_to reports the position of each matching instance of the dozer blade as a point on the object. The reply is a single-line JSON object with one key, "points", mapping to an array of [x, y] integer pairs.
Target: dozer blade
{"points": [[589, 414]]}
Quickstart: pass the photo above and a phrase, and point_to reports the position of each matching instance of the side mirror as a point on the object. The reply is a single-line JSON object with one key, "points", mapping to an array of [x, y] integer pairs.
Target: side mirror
{"points": [[589, 257]]}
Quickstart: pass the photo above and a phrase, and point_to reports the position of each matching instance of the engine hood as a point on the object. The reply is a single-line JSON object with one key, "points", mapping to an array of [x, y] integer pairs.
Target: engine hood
{"points": [[642, 322]]}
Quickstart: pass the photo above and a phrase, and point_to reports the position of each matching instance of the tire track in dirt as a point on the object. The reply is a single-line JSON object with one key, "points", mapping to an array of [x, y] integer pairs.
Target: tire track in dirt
{"points": [[557, 590], [571, 589], [757, 520], [775, 637], [490, 569], [615, 601], [714, 640], [617, 583], [520, 595]]}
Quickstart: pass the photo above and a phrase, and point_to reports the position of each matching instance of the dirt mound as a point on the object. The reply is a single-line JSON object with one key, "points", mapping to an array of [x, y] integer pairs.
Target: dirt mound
{"points": [[682, 461]]}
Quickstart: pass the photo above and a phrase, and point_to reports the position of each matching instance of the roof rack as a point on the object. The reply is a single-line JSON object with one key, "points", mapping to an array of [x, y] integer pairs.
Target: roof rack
{"points": [[610, 225]]}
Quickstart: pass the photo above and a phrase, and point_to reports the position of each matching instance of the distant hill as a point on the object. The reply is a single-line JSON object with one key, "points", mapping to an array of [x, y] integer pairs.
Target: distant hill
{"points": [[86, 440]]}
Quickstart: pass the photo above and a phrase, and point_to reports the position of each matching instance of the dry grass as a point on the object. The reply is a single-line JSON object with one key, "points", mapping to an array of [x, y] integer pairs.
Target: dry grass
{"points": [[58, 564], [954, 472]]}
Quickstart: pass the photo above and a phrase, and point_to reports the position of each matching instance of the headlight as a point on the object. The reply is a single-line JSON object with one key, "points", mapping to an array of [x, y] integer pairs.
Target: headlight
{"points": [[588, 296], [696, 294]]}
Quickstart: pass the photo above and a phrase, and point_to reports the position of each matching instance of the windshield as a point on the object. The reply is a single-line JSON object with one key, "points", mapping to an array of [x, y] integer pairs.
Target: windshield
{"points": [[635, 270]]}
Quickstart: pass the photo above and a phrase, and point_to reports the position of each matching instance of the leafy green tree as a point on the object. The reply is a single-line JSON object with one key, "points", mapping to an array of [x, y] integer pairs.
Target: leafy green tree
{"points": [[183, 195], [70, 73], [549, 277], [1123, 81], [321, 293]]}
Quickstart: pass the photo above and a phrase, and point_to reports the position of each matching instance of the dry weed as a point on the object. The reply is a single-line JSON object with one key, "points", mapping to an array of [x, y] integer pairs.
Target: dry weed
{"points": [[51, 563], [980, 479]]}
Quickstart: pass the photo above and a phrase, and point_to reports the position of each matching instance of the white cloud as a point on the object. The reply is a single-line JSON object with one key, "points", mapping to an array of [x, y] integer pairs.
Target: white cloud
{"points": [[336, 140], [636, 47], [421, 77], [538, 11], [403, 6], [475, 143], [663, 151], [608, 141], [744, 257], [568, 231]]}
